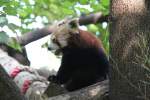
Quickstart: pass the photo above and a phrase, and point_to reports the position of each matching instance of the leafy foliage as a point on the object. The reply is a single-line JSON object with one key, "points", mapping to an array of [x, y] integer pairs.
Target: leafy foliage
{"points": [[3, 37], [37, 13]]}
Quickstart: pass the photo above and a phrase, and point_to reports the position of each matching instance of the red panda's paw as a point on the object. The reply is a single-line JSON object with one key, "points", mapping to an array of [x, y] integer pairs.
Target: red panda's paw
{"points": [[53, 79]]}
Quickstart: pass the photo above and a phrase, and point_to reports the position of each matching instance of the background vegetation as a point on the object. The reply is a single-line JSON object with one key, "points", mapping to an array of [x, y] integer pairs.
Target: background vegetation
{"points": [[45, 12]]}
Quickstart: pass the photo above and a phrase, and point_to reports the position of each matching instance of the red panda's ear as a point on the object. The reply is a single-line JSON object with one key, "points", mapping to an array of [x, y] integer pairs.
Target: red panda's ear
{"points": [[74, 23]]}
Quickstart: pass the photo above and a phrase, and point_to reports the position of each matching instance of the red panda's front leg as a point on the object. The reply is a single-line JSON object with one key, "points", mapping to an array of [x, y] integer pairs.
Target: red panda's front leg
{"points": [[63, 75]]}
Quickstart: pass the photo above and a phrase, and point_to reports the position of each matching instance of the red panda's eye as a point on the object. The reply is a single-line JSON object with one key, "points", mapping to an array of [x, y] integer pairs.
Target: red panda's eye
{"points": [[61, 23], [54, 40]]}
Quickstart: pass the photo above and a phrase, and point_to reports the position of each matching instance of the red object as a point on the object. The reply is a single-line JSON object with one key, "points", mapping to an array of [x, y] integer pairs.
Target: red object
{"points": [[25, 86], [15, 72]]}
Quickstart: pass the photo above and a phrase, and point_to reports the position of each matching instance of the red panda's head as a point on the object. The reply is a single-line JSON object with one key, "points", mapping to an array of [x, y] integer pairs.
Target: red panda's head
{"points": [[64, 31], [68, 36]]}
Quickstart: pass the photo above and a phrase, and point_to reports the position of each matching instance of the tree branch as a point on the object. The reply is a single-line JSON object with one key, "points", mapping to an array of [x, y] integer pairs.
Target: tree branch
{"points": [[98, 91], [93, 19], [39, 33], [8, 88], [38, 84]]}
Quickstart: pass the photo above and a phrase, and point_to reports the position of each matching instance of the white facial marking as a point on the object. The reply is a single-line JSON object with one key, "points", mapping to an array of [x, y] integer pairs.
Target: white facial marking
{"points": [[52, 45], [59, 38]]}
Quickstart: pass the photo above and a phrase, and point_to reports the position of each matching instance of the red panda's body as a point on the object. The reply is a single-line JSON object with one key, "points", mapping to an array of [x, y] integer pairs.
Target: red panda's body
{"points": [[83, 61]]}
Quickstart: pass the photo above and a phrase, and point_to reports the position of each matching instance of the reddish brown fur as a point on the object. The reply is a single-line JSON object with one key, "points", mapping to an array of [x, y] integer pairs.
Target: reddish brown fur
{"points": [[84, 61], [85, 39]]}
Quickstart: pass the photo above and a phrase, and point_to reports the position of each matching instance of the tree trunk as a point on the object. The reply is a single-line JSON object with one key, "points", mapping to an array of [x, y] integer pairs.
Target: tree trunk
{"points": [[130, 52], [8, 89]]}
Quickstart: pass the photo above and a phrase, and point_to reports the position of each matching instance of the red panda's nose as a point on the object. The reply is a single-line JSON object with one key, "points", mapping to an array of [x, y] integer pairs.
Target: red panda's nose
{"points": [[49, 48]]}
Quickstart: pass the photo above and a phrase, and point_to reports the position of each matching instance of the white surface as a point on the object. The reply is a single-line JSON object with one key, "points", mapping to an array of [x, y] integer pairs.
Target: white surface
{"points": [[41, 57]]}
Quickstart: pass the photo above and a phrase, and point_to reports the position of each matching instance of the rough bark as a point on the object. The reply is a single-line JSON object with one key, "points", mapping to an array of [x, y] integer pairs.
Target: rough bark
{"points": [[39, 33], [97, 91], [129, 41], [8, 89], [21, 57]]}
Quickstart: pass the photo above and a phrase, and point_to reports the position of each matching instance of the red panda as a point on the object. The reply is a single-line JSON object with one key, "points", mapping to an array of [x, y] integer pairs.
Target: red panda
{"points": [[84, 61]]}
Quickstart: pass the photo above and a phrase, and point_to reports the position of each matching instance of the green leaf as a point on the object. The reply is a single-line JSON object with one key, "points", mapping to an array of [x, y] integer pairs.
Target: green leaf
{"points": [[3, 37], [68, 4], [4, 2], [45, 45], [22, 13], [14, 44], [82, 10], [26, 1], [83, 2], [105, 3], [67, 11], [3, 20], [12, 26], [93, 28], [10, 10]]}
